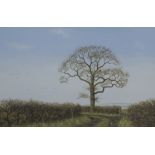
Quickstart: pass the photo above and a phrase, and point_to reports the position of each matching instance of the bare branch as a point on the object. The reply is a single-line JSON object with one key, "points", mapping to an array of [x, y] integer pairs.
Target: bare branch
{"points": [[100, 82], [101, 91], [82, 78], [70, 74]]}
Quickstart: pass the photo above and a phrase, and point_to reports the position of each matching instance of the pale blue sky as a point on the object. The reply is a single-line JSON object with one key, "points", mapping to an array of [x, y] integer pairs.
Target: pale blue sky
{"points": [[30, 58]]}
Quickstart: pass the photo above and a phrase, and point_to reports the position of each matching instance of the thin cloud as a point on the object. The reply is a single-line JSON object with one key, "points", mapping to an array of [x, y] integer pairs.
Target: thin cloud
{"points": [[59, 32], [19, 46]]}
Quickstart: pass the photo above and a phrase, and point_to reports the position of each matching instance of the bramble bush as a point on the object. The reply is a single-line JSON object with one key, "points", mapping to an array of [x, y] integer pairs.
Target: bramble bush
{"points": [[142, 114]]}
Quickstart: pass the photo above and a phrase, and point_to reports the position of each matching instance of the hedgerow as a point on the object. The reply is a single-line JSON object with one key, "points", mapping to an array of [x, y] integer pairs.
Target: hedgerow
{"points": [[18, 112], [142, 114]]}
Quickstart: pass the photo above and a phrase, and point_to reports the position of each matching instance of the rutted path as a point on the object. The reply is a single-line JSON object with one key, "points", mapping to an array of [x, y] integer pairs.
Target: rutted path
{"points": [[94, 121], [103, 120]]}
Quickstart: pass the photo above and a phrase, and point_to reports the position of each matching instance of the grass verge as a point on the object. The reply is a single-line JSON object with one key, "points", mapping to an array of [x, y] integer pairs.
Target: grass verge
{"points": [[125, 122], [82, 121]]}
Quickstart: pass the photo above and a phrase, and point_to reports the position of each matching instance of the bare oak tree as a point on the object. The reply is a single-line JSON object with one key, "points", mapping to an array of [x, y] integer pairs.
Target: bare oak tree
{"points": [[95, 66]]}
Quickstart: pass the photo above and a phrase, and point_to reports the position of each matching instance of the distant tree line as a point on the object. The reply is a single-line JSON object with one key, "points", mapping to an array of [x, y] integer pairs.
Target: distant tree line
{"points": [[103, 109]]}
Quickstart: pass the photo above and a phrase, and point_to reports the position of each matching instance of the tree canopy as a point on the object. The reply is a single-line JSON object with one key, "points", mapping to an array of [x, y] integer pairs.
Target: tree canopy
{"points": [[97, 66]]}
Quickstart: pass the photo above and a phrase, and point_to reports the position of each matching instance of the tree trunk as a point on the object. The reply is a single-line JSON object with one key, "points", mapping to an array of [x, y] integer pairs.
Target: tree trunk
{"points": [[92, 96], [92, 102]]}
